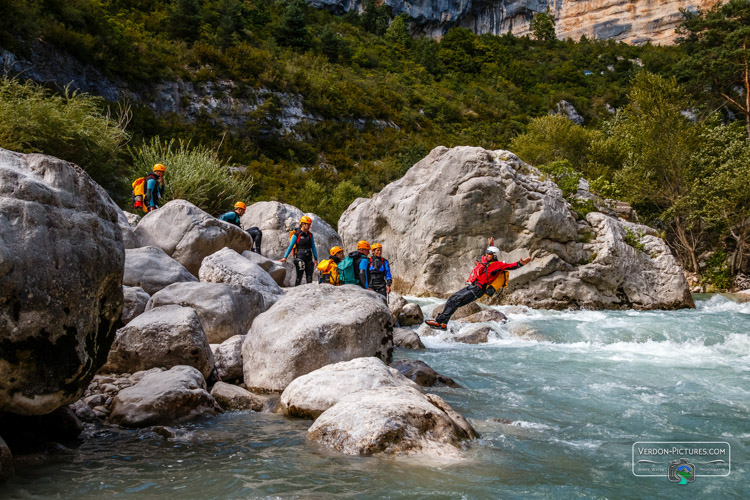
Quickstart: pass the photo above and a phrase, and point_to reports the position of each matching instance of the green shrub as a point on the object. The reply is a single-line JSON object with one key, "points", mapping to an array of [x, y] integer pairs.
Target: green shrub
{"points": [[195, 174], [634, 240], [71, 126], [583, 208], [564, 175], [717, 273]]}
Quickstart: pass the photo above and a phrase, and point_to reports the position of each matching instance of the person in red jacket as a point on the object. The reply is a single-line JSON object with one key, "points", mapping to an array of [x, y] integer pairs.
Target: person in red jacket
{"points": [[484, 273]]}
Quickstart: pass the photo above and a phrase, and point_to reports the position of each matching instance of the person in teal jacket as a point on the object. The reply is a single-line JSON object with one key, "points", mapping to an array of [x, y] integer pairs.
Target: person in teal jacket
{"points": [[233, 217], [154, 189]]}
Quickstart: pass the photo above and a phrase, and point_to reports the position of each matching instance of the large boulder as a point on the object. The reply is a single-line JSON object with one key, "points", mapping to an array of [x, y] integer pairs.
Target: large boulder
{"points": [[136, 299], [228, 358], [434, 230], [164, 398], [188, 234], [313, 326], [152, 269], [224, 310], [61, 261], [276, 220], [227, 266], [393, 420], [277, 270], [310, 395], [128, 236], [161, 338]]}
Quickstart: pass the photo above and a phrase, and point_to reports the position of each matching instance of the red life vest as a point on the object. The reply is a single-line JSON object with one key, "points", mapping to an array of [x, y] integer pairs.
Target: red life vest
{"points": [[485, 273]]}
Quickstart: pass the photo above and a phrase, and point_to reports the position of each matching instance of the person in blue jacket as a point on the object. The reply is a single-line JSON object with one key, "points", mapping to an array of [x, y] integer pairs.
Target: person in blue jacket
{"points": [[154, 189], [379, 271], [302, 248], [234, 217]]}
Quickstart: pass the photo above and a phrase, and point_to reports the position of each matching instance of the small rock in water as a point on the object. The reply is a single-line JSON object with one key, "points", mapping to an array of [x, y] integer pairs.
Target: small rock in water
{"points": [[411, 314], [406, 338], [478, 335], [461, 312], [232, 397], [421, 373], [486, 315]]}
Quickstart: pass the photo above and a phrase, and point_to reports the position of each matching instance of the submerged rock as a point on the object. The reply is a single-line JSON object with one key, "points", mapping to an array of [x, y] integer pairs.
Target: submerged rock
{"points": [[276, 220], [421, 373], [434, 233], [161, 338], [61, 261], [188, 234], [473, 335], [136, 299], [163, 398], [392, 420], [407, 338], [310, 395], [484, 316], [152, 269], [224, 310], [228, 358], [313, 326]]}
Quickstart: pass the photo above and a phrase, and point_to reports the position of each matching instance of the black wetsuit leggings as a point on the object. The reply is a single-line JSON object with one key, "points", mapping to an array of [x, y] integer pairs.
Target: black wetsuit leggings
{"points": [[304, 259], [257, 235], [460, 298]]}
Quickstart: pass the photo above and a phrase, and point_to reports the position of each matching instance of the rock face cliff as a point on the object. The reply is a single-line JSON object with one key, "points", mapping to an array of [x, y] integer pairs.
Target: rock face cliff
{"points": [[634, 22], [434, 222]]}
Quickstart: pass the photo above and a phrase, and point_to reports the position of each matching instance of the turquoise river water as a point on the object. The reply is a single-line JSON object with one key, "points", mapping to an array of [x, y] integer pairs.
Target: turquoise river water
{"points": [[559, 411]]}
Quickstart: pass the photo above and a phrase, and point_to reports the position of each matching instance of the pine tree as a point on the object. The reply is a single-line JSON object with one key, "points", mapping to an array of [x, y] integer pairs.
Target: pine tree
{"points": [[292, 30], [543, 26], [183, 20], [398, 32]]}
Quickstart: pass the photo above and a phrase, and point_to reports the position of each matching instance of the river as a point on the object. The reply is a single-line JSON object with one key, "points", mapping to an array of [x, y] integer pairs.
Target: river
{"points": [[558, 410]]}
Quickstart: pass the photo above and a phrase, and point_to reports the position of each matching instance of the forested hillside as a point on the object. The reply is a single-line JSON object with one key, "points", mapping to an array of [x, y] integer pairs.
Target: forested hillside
{"points": [[663, 128]]}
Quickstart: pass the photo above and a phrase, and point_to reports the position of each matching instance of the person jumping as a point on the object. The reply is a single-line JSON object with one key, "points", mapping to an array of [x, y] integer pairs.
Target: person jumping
{"points": [[486, 277]]}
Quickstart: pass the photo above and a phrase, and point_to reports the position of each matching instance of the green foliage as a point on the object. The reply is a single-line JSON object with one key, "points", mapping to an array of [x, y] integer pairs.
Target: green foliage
{"points": [[292, 30], [583, 207], [717, 272], [564, 175], [328, 205], [375, 18], [71, 126], [183, 20], [195, 174], [397, 33], [543, 26], [554, 138], [634, 239]]}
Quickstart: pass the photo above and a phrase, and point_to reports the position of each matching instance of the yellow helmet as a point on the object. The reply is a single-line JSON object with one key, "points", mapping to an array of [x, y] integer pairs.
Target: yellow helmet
{"points": [[375, 246], [305, 220], [241, 205], [363, 245], [159, 168], [335, 250]]}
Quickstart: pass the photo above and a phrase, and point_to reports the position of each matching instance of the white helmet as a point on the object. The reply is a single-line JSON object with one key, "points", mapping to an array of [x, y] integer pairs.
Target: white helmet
{"points": [[494, 250]]}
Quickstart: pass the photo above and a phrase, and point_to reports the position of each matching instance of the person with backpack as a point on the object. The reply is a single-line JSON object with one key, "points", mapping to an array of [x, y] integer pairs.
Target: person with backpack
{"points": [[302, 248], [379, 271], [234, 216], [353, 270], [489, 275], [148, 190], [329, 272]]}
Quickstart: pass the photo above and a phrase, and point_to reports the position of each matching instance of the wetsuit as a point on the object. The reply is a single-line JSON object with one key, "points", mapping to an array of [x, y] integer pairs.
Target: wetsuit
{"points": [[255, 233], [475, 289], [380, 275], [153, 191], [303, 260]]}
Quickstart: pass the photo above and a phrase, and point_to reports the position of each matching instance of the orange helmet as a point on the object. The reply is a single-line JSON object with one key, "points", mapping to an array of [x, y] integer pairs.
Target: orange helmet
{"points": [[335, 250], [375, 246], [363, 245], [305, 220], [159, 168], [241, 205]]}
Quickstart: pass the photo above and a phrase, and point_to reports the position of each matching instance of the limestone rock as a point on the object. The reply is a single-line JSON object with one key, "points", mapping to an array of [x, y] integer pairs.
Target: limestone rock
{"points": [[411, 314], [421, 373], [136, 299], [392, 420], [462, 312], [228, 358], [128, 236], [188, 234], [302, 332], [230, 397], [162, 337], [224, 310], [276, 220], [396, 303], [152, 269], [435, 234], [407, 338], [310, 395], [272, 267], [227, 266], [61, 260], [164, 398], [6, 462], [484, 316], [132, 219], [473, 335]]}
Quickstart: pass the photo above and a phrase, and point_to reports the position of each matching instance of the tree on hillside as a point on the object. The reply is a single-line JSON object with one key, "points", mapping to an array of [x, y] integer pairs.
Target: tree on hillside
{"points": [[398, 32], [184, 19], [375, 18], [292, 30], [718, 47], [658, 142], [543, 26]]}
